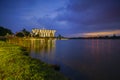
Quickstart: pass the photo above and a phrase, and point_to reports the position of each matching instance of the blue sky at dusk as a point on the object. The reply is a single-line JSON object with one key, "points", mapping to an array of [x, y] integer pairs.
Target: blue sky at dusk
{"points": [[68, 17]]}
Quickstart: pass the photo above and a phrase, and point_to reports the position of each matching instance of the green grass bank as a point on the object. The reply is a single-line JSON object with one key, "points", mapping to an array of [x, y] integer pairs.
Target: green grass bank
{"points": [[15, 64]]}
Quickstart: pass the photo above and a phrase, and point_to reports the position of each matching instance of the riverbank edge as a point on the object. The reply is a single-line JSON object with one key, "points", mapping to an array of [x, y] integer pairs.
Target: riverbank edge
{"points": [[15, 64]]}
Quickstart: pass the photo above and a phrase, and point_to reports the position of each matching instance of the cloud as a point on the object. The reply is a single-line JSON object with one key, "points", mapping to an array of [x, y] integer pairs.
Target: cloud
{"points": [[50, 22], [92, 15], [66, 16]]}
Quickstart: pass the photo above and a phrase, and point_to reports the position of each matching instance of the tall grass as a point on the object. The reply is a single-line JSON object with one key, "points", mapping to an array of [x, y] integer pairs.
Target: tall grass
{"points": [[16, 65]]}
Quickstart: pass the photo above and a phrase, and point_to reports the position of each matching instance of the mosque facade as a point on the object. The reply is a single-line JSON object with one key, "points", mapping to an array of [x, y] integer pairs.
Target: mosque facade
{"points": [[42, 32]]}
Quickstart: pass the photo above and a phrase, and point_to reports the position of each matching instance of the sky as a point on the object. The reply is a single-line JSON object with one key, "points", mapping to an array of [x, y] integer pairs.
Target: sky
{"points": [[68, 17]]}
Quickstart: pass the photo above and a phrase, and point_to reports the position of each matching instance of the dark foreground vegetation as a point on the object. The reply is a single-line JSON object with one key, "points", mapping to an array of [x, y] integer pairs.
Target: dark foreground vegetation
{"points": [[15, 64]]}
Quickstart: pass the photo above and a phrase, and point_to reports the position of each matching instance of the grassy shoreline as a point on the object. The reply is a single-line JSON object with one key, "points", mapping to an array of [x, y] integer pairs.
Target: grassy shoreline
{"points": [[16, 65]]}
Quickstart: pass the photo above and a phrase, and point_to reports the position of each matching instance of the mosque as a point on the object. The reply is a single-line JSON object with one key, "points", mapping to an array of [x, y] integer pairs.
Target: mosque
{"points": [[42, 32]]}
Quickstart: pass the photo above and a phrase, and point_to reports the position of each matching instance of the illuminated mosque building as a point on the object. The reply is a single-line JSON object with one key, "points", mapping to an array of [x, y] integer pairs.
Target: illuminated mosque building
{"points": [[42, 32]]}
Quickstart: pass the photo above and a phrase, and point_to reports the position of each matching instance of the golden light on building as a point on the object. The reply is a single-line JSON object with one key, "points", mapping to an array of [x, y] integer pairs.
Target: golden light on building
{"points": [[43, 32]]}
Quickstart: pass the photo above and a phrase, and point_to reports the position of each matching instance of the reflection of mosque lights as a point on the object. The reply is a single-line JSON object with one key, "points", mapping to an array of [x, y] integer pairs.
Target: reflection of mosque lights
{"points": [[42, 45], [38, 46], [43, 49]]}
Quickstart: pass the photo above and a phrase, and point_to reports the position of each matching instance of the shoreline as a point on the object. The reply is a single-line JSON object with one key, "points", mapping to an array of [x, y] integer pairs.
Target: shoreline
{"points": [[16, 64]]}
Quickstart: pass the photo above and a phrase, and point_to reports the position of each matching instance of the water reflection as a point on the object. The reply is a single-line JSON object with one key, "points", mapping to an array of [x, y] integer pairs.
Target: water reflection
{"points": [[35, 45], [38, 48], [78, 59], [91, 59], [43, 46], [43, 49], [104, 60], [98, 59]]}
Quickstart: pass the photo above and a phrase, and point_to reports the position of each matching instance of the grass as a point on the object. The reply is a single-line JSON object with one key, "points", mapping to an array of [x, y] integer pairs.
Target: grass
{"points": [[16, 65]]}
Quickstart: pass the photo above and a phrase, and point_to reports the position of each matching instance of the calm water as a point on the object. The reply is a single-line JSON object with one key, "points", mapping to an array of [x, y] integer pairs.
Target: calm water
{"points": [[80, 59]]}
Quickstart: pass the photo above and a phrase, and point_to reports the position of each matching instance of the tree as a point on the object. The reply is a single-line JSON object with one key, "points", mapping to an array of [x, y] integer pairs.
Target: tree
{"points": [[25, 32], [59, 36], [4, 31], [19, 34]]}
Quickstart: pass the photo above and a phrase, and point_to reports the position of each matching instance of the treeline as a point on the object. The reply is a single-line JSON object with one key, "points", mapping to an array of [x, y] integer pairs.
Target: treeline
{"points": [[98, 37], [5, 32]]}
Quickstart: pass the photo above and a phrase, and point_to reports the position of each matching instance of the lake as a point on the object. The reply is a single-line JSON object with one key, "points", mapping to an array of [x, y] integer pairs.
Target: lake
{"points": [[79, 59]]}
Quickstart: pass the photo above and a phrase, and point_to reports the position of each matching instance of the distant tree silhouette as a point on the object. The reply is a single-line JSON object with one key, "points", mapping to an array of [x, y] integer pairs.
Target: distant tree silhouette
{"points": [[25, 32], [20, 34], [114, 35], [60, 36], [4, 31]]}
